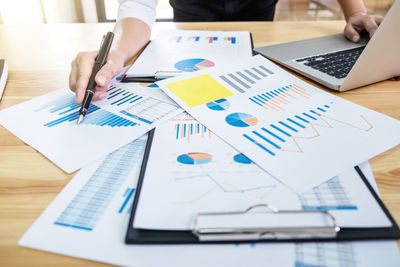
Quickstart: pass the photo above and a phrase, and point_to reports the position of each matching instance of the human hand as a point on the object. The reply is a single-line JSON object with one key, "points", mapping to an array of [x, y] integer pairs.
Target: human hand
{"points": [[361, 21], [81, 69]]}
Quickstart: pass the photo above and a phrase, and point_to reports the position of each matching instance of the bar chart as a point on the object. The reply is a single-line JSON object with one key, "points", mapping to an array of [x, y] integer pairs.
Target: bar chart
{"points": [[232, 40], [120, 96], [67, 111], [272, 137], [330, 195], [212, 39], [186, 129], [149, 110], [277, 99], [244, 80], [89, 204]]}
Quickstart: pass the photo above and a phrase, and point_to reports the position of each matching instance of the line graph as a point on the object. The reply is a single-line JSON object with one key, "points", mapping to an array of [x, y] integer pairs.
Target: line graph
{"points": [[287, 135], [226, 187]]}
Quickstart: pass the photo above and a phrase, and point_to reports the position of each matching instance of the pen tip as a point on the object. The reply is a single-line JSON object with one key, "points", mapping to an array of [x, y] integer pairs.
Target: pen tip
{"points": [[79, 119]]}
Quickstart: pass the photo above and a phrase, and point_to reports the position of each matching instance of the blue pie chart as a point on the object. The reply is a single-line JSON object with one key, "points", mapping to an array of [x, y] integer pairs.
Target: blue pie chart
{"points": [[194, 64], [241, 120], [219, 105], [240, 158]]}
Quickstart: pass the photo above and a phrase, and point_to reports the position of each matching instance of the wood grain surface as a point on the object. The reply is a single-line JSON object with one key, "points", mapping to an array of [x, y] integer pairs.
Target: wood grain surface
{"points": [[39, 59]]}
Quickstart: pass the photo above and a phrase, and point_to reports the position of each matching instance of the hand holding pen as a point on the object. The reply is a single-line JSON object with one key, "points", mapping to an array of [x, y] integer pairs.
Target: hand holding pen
{"points": [[98, 64]]}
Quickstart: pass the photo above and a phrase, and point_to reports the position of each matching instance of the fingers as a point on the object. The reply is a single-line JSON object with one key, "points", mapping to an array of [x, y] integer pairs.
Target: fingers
{"points": [[370, 25], [104, 77], [81, 68], [359, 22], [351, 33]]}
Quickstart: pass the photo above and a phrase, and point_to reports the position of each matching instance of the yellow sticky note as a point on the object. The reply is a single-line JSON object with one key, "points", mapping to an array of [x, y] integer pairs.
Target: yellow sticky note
{"points": [[199, 90]]}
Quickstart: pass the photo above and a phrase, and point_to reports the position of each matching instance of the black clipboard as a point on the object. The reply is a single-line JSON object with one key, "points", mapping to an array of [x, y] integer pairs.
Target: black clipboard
{"points": [[140, 236]]}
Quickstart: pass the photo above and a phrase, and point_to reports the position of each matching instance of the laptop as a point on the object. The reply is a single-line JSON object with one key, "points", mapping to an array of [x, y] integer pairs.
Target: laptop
{"points": [[340, 64]]}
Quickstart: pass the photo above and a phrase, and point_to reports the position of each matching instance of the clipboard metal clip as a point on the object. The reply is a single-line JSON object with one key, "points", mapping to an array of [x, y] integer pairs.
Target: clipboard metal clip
{"points": [[264, 222]]}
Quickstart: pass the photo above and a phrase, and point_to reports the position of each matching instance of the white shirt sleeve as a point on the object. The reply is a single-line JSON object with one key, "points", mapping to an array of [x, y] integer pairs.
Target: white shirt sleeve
{"points": [[144, 10]]}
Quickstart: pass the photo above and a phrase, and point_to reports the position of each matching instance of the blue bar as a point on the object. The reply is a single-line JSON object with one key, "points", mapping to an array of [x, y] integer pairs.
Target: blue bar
{"points": [[205, 129], [266, 139], [136, 117], [273, 93], [126, 200], [260, 99], [111, 88], [311, 117], [184, 130], [279, 129], [116, 91], [177, 131], [282, 91], [264, 95], [255, 101], [263, 98], [300, 118], [125, 97], [127, 100], [114, 95], [68, 110], [287, 126], [270, 95], [197, 38], [74, 226], [326, 106], [263, 147], [116, 121], [198, 128], [105, 121], [136, 99], [233, 40], [215, 38], [321, 109], [274, 135], [179, 39], [294, 122], [191, 129]]}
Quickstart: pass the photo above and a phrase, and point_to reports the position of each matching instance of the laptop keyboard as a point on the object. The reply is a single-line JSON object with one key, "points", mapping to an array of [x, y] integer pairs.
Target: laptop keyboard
{"points": [[337, 64]]}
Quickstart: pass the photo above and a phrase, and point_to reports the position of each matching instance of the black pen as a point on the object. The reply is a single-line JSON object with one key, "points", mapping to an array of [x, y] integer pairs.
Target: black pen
{"points": [[100, 61], [151, 78]]}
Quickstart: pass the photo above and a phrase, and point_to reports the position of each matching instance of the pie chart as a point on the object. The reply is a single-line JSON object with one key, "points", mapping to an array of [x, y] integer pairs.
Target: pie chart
{"points": [[240, 158], [195, 158], [152, 85], [241, 120], [221, 104], [193, 64]]}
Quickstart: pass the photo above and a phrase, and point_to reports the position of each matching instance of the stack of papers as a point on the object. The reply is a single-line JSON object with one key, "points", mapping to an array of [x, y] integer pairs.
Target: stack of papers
{"points": [[252, 134]]}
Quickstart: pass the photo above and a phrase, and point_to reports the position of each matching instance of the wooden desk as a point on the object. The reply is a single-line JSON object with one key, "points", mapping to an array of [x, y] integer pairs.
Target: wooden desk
{"points": [[39, 57]]}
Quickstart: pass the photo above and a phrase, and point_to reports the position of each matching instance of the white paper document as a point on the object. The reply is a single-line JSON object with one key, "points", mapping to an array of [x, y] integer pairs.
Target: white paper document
{"points": [[300, 134], [190, 170], [48, 123], [97, 232], [188, 51]]}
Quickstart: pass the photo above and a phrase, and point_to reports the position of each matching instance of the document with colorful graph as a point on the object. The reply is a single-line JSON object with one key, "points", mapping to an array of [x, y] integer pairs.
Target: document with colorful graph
{"points": [[300, 134], [48, 123], [191, 170], [188, 51], [69, 231]]}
